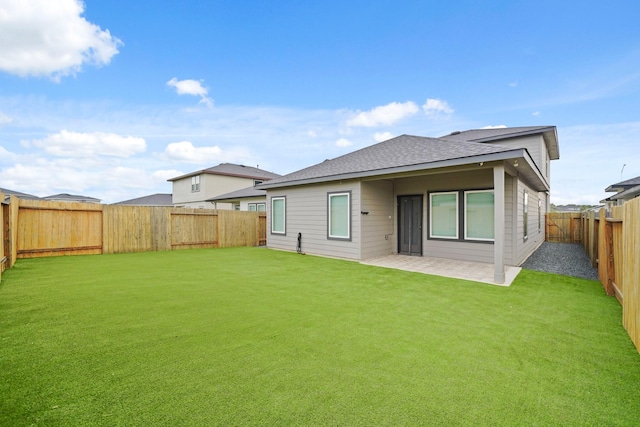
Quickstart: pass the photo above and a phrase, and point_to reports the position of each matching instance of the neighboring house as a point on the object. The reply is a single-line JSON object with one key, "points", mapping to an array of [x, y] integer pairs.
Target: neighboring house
{"points": [[247, 199], [64, 197], [478, 195], [194, 189], [158, 199], [625, 190], [18, 194]]}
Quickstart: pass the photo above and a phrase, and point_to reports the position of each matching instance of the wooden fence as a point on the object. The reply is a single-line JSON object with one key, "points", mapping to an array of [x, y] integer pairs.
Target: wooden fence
{"points": [[4, 226], [611, 239], [563, 227], [34, 228]]}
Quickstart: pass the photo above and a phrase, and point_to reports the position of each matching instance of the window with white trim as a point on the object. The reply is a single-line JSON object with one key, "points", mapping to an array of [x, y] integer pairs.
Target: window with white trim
{"points": [[257, 207], [195, 183], [478, 215], [443, 215], [339, 213], [278, 215]]}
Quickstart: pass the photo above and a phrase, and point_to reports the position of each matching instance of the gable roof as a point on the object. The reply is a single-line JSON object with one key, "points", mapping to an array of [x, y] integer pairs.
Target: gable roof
{"points": [[18, 194], [401, 154], [158, 199], [549, 135], [623, 185], [64, 197], [230, 169], [244, 193]]}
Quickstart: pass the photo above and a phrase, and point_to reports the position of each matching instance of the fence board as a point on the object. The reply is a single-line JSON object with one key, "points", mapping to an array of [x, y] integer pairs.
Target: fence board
{"points": [[563, 227], [631, 270], [4, 229], [194, 228]]}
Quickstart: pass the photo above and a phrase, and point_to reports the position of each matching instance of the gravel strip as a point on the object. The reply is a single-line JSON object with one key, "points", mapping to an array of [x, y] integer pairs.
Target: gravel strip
{"points": [[568, 259]]}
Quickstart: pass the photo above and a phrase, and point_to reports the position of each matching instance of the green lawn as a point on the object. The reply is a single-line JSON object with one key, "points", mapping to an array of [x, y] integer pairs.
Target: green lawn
{"points": [[250, 336]]}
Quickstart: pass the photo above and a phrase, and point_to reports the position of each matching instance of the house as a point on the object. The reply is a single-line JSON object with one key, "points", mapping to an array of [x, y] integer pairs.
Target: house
{"points": [[7, 193], [625, 190], [158, 199], [478, 195], [64, 197], [246, 199], [195, 189]]}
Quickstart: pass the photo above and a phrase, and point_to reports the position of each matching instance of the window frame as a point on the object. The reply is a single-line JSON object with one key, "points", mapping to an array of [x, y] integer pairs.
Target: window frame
{"points": [[195, 183], [466, 216], [436, 193], [256, 206], [525, 216], [282, 232], [331, 195]]}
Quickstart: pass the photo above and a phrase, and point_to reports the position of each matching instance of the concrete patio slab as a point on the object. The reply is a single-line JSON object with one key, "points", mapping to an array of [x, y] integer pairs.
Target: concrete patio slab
{"points": [[467, 270]]}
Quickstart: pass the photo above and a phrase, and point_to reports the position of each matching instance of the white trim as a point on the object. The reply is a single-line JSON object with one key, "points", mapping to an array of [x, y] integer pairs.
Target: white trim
{"points": [[466, 217], [431, 235], [340, 194]]}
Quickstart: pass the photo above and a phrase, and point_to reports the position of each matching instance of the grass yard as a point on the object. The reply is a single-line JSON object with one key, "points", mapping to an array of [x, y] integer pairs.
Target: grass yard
{"points": [[250, 336]]}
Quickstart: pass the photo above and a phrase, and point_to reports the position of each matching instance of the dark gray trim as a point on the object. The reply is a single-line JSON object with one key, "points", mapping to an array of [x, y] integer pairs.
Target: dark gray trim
{"points": [[333, 193], [461, 216]]}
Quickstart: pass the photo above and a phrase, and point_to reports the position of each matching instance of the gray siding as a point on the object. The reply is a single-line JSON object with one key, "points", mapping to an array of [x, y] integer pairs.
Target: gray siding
{"points": [[306, 213], [378, 231], [537, 150], [524, 248]]}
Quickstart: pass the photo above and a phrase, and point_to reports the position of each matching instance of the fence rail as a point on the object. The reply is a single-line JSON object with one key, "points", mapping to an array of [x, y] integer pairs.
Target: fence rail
{"points": [[35, 228], [611, 240]]}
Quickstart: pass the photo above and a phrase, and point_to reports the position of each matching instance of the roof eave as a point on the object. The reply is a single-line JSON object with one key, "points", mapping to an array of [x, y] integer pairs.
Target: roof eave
{"points": [[503, 155]]}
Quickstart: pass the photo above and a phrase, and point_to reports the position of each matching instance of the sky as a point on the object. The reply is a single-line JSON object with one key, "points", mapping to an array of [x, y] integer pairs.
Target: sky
{"points": [[109, 99]]}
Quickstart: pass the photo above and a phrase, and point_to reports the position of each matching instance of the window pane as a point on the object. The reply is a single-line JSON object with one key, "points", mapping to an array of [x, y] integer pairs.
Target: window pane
{"points": [[339, 215], [479, 215], [261, 207], [525, 215], [252, 207], [277, 215], [444, 215]]}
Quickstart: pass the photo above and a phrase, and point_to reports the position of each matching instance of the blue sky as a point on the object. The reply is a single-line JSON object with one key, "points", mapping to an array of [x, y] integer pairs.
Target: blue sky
{"points": [[109, 99]]}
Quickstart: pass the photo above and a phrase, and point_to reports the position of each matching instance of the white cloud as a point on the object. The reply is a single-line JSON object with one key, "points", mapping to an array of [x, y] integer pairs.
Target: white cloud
{"points": [[191, 87], [513, 84], [165, 174], [382, 136], [436, 107], [4, 119], [343, 142], [78, 144], [494, 127], [384, 115], [535, 113], [186, 152], [51, 38]]}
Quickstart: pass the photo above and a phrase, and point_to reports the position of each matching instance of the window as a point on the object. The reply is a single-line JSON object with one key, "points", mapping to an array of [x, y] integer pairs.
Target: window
{"points": [[539, 213], [278, 215], [525, 215], [257, 181], [259, 207], [339, 210], [195, 183], [443, 215], [236, 206], [478, 215]]}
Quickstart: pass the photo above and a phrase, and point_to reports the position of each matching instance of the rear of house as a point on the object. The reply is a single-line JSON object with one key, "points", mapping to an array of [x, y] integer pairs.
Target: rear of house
{"points": [[478, 195]]}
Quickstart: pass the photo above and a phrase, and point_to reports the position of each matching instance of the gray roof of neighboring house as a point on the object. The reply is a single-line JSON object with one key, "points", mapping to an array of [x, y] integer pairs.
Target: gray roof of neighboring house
{"points": [[64, 197], [629, 193], [623, 185], [496, 134], [245, 193], [401, 154], [18, 194], [158, 199], [230, 169]]}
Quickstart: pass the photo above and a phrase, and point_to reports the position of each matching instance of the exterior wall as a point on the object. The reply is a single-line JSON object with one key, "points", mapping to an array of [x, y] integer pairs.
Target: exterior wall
{"points": [[306, 213], [378, 232], [525, 247], [537, 149], [469, 180], [210, 186]]}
